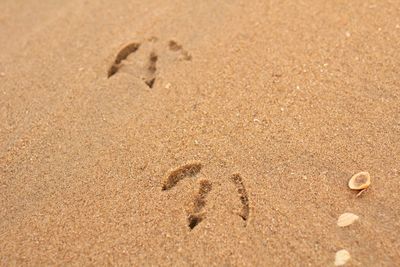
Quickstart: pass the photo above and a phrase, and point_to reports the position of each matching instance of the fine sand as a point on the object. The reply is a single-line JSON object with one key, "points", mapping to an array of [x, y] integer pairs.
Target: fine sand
{"points": [[199, 132]]}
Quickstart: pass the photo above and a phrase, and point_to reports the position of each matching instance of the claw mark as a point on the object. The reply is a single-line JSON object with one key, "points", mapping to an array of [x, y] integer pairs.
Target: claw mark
{"points": [[237, 180], [122, 55], [174, 176], [195, 215], [174, 46], [152, 62], [151, 69]]}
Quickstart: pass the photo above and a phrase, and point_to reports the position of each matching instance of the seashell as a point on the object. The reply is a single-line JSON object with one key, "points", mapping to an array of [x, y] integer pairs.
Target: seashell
{"points": [[360, 181], [342, 257], [346, 219]]}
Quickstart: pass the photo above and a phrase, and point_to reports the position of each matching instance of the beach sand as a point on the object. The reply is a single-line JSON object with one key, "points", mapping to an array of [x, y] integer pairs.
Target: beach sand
{"points": [[198, 132]]}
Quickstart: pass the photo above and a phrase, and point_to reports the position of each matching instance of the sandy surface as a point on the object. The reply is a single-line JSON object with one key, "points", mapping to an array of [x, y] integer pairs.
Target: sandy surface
{"points": [[239, 152]]}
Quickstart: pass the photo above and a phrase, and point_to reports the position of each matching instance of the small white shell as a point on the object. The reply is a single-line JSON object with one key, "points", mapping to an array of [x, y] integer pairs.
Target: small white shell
{"points": [[360, 181], [342, 257], [346, 219]]}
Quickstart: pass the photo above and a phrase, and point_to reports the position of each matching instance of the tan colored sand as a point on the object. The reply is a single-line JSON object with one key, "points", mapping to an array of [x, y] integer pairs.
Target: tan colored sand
{"points": [[294, 97]]}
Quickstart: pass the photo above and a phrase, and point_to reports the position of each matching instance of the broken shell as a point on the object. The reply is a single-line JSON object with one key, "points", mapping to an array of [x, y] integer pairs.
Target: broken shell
{"points": [[342, 257], [346, 219], [360, 181]]}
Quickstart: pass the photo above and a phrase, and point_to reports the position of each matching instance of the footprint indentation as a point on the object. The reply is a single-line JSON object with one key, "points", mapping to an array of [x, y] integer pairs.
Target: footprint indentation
{"points": [[174, 176], [122, 55], [151, 70], [141, 60], [196, 214], [175, 47], [244, 199]]}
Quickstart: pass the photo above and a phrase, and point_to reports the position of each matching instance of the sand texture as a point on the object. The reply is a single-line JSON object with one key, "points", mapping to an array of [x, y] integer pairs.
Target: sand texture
{"points": [[199, 133]]}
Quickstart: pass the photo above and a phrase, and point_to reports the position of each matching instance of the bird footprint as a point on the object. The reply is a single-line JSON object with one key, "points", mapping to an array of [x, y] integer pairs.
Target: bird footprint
{"points": [[142, 59], [196, 213]]}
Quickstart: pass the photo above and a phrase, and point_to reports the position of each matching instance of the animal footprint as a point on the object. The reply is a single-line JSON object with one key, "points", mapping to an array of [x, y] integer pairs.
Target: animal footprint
{"points": [[196, 213], [138, 59], [244, 199], [141, 59]]}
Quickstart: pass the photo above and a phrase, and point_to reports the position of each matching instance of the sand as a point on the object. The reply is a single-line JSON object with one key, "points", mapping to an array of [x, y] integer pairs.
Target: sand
{"points": [[227, 137]]}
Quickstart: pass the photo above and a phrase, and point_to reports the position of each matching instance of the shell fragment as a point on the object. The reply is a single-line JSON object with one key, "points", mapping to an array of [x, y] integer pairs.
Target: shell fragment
{"points": [[342, 257], [346, 219]]}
